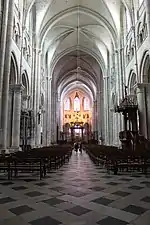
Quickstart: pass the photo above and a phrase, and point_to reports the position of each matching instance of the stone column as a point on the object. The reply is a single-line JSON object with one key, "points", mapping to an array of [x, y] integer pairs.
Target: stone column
{"points": [[56, 120], [118, 116], [5, 92], [147, 99], [94, 115], [141, 99], [106, 110], [33, 94], [16, 117], [99, 113], [10, 117], [37, 101], [111, 124], [3, 47], [59, 116], [34, 102], [49, 111], [54, 117], [147, 8]]}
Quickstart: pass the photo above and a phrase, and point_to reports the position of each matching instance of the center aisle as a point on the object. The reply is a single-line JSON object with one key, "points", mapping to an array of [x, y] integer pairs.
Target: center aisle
{"points": [[79, 193]]}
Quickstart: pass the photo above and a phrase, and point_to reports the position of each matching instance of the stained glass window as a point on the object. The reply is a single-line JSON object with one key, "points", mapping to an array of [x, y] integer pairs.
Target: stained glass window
{"points": [[86, 104], [77, 104], [67, 104]]}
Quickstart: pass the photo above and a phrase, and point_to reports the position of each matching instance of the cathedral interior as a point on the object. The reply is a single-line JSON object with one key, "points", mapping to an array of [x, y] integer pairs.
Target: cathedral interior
{"points": [[74, 71]]}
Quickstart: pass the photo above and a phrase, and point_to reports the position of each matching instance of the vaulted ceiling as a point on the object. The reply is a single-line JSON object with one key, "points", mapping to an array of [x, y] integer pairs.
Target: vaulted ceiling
{"points": [[73, 33]]}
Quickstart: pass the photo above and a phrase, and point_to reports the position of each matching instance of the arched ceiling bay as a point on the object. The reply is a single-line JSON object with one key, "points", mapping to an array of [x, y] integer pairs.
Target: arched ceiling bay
{"points": [[58, 23], [90, 25], [68, 75], [76, 87]]}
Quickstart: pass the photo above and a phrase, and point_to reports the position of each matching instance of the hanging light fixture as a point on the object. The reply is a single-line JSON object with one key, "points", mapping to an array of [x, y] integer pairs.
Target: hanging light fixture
{"points": [[78, 42], [78, 62]]}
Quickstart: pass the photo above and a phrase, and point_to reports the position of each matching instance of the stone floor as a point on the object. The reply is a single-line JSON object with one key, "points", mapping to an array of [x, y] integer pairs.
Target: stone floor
{"points": [[79, 193]]}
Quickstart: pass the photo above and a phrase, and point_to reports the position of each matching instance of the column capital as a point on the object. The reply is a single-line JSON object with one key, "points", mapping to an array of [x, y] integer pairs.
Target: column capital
{"points": [[105, 77], [99, 92], [49, 78], [26, 97], [142, 85], [37, 50], [10, 90], [17, 88], [119, 50]]}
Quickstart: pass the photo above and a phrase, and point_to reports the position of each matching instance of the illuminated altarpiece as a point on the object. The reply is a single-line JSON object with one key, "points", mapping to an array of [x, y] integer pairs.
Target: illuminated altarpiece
{"points": [[77, 117]]}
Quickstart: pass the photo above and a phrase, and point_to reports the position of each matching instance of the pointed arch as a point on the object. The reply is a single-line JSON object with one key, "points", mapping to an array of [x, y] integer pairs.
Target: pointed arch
{"points": [[86, 104], [25, 82], [77, 103], [145, 68], [132, 82], [14, 71], [67, 104]]}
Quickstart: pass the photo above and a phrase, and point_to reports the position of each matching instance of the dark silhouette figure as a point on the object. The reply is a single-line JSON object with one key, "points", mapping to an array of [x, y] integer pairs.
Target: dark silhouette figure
{"points": [[80, 147], [76, 147]]}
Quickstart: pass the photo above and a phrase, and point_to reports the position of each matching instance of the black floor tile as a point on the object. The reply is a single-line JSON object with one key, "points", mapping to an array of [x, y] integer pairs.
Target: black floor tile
{"points": [[45, 221], [103, 201], [94, 180], [107, 176], [146, 199], [78, 210], [121, 193], [135, 209], [112, 183], [6, 200], [34, 194], [136, 175], [78, 194], [2, 178], [19, 188], [77, 180], [126, 179], [97, 188], [53, 201], [77, 184], [134, 187], [29, 180], [59, 189], [111, 221], [145, 182], [21, 209], [41, 184], [7, 183]]}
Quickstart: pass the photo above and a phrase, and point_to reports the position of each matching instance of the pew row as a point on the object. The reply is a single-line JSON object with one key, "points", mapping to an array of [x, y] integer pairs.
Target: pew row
{"points": [[117, 160], [41, 160]]}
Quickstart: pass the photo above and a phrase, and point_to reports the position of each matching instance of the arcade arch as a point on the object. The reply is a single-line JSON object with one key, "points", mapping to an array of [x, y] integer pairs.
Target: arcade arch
{"points": [[12, 88], [75, 75]]}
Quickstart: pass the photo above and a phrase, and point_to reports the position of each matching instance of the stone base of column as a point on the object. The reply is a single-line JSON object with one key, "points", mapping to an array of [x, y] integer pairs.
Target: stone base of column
{"points": [[3, 151], [14, 149], [6, 151]]}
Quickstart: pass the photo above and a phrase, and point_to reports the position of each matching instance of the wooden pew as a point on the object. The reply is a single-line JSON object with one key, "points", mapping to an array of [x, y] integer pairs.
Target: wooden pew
{"points": [[36, 160]]}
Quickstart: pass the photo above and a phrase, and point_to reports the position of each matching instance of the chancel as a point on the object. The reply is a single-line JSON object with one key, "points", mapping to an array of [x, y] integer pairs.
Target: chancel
{"points": [[74, 112]]}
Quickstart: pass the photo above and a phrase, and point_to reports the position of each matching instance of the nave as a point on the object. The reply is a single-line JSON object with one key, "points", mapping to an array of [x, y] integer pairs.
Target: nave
{"points": [[79, 193]]}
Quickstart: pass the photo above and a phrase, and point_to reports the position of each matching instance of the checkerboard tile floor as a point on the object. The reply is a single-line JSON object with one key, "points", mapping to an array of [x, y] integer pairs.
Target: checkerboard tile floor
{"points": [[79, 193]]}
